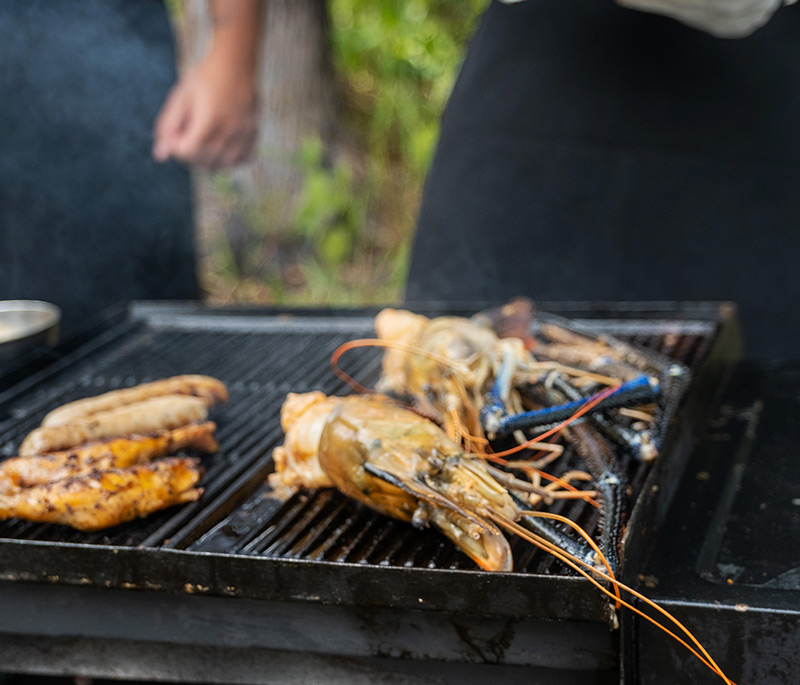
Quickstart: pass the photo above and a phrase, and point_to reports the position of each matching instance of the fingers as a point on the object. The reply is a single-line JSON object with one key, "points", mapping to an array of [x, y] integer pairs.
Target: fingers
{"points": [[193, 133], [209, 119], [237, 148], [170, 123], [199, 143], [212, 145], [215, 143]]}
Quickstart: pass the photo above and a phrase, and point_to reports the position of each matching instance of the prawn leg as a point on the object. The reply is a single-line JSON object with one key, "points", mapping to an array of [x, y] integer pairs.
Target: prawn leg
{"points": [[641, 444], [497, 423], [494, 410], [609, 483], [642, 359], [601, 462], [673, 377], [675, 380]]}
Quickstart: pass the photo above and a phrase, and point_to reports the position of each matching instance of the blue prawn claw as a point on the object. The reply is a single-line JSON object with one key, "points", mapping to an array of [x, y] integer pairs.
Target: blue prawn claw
{"points": [[498, 423]]}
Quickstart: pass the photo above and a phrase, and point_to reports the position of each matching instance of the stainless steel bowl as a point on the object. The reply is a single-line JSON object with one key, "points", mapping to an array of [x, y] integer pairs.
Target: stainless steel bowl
{"points": [[25, 325]]}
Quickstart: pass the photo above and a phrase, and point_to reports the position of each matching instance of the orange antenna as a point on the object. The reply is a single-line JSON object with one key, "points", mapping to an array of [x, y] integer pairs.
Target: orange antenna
{"points": [[386, 344], [590, 404], [576, 564]]}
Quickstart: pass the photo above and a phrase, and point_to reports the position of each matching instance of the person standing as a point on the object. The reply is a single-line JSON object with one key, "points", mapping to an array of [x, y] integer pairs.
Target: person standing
{"points": [[594, 152]]}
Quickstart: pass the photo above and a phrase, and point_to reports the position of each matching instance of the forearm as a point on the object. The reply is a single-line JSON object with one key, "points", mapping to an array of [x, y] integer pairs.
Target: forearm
{"points": [[236, 32], [210, 117]]}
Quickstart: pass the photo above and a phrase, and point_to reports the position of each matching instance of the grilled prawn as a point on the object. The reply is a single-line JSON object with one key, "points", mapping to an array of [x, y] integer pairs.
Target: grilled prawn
{"points": [[446, 364], [478, 378], [397, 463], [405, 466]]}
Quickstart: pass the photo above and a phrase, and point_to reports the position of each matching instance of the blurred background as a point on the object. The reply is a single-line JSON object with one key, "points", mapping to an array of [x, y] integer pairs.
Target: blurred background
{"points": [[352, 92]]}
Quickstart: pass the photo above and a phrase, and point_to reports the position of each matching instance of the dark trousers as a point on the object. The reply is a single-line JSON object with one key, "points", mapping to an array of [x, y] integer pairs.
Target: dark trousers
{"points": [[87, 219], [590, 152]]}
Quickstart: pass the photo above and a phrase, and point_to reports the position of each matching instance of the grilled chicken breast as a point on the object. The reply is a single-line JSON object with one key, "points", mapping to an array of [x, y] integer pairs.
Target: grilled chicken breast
{"points": [[109, 454], [108, 498]]}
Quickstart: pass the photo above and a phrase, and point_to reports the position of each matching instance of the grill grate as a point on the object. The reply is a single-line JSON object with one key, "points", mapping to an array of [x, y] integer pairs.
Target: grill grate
{"points": [[326, 526], [261, 359]]}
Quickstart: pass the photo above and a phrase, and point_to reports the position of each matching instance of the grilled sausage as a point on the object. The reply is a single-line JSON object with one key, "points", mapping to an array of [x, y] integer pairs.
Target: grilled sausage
{"points": [[107, 498], [159, 413], [102, 456], [209, 389]]}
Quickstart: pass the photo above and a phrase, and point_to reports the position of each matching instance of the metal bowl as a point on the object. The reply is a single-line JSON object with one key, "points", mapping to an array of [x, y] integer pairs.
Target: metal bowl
{"points": [[25, 325]]}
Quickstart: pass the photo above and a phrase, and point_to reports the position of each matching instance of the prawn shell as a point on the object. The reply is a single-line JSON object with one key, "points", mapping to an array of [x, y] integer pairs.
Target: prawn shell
{"points": [[399, 443]]}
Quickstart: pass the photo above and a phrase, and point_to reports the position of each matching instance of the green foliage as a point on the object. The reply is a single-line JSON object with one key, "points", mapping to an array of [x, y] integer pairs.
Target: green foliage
{"points": [[341, 262], [331, 212], [399, 59]]}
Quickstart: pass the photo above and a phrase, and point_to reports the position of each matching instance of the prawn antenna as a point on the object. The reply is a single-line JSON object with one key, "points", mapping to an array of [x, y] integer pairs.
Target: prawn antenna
{"points": [[591, 573]]}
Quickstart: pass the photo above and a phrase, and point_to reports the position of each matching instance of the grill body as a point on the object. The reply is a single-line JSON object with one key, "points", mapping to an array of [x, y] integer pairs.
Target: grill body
{"points": [[241, 573], [725, 557]]}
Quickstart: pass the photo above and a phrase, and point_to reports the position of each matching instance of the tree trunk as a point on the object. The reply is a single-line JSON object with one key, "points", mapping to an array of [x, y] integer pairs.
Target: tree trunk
{"points": [[298, 101]]}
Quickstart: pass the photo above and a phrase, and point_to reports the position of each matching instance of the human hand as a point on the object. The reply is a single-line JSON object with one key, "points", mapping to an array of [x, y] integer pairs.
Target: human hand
{"points": [[210, 116], [722, 18]]}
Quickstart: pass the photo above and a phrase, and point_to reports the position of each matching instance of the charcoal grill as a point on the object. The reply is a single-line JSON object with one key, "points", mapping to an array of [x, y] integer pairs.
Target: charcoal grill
{"points": [[316, 582]]}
